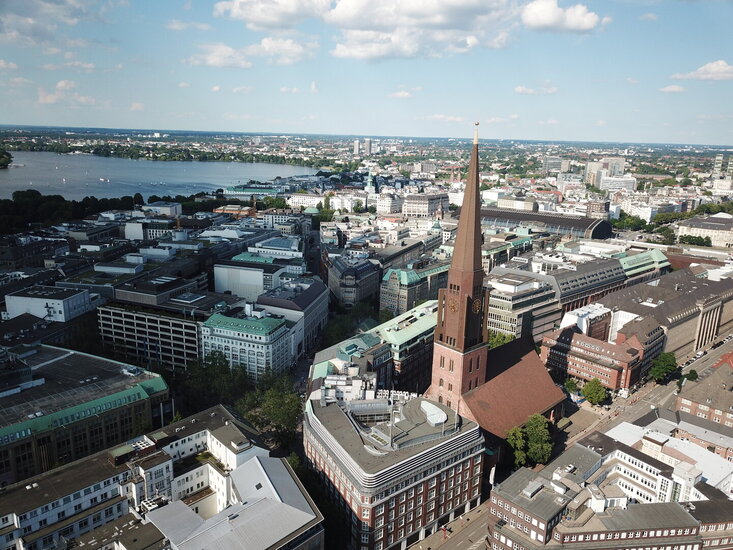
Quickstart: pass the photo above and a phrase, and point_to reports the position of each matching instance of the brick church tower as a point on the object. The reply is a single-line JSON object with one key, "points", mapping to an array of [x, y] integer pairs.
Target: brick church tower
{"points": [[460, 345]]}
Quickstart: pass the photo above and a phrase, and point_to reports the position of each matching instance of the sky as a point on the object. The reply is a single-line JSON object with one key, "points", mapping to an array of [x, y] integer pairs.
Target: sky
{"points": [[613, 70]]}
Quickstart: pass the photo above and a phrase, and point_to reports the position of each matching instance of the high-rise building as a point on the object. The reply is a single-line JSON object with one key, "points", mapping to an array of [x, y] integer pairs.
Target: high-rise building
{"points": [[718, 167], [614, 165], [367, 146], [356, 146]]}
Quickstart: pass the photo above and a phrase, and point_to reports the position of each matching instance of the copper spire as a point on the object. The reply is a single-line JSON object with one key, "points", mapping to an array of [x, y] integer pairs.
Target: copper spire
{"points": [[467, 251]]}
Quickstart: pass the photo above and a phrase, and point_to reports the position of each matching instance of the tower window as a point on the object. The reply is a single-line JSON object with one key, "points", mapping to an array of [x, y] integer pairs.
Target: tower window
{"points": [[440, 384]]}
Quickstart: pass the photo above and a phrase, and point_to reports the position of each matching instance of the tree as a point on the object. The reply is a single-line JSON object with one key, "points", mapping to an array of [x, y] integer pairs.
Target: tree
{"points": [[372, 209], [358, 206], [663, 366], [515, 439], [327, 202], [385, 315], [138, 199], [497, 339], [571, 385], [692, 375], [539, 442], [594, 391], [5, 158]]}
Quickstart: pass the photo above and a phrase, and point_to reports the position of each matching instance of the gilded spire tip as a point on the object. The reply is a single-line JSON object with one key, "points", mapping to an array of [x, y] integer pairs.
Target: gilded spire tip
{"points": [[475, 133]]}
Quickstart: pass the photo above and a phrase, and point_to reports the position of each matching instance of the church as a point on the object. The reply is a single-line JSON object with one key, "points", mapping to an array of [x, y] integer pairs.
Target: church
{"points": [[498, 389]]}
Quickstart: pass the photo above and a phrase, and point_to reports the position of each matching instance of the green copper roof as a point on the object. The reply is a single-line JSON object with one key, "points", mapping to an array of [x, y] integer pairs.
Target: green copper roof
{"points": [[638, 263], [250, 325], [70, 415], [409, 325], [322, 369], [412, 276], [249, 257]]}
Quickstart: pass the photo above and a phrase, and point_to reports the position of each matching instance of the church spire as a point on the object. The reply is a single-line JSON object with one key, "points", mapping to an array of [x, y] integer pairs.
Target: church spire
{"points": [[461, 306], [460, 351], [467, 250]]}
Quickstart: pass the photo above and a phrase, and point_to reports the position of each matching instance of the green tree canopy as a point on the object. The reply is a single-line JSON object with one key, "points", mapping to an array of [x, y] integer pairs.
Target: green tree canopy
{"points": [[515, 439], [5, 158], [539, 442], [594, 391], [663, 365], [571, 385]]}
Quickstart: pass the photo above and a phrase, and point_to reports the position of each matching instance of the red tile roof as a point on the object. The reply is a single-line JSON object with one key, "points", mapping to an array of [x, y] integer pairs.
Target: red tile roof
{"points": [[519, 386]]}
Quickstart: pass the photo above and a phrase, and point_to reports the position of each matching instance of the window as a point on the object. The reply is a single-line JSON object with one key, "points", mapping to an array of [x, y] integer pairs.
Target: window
{"points": [[365, 513]]}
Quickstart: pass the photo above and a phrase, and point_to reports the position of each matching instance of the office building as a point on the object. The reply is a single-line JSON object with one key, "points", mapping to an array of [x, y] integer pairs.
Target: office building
{"points": [[397, 471], [155, 322], [710, 397], [551, 164], [356, 146], [614, 183], [163, 208], [352, 280], [60, 405], [50, 303], [250, 339], [303, 302], [718, 228], [410, 339], [367, 147], [248, 275], [603, 494], [425, 205], [402, 288]]}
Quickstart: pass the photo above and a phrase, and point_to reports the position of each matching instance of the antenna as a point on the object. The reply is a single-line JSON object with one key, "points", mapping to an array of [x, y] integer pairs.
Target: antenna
{"points": [[475, 133]]}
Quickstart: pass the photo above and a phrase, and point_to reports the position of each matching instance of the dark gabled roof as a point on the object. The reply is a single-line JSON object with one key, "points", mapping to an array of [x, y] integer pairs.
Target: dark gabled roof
{"points": [[518, 386], [522, 216]]}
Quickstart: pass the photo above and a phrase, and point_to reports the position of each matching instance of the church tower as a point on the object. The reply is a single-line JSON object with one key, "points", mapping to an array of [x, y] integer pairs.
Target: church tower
{"points": [[460, 345]]}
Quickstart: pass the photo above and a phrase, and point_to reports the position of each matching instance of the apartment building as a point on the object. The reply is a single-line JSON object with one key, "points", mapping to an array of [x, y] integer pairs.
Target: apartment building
{"points": [[710, 397], [181, 480]]}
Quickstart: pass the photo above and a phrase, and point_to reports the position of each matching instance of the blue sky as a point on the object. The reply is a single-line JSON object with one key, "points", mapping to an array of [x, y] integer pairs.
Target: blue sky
{"points": [[613, 70]]}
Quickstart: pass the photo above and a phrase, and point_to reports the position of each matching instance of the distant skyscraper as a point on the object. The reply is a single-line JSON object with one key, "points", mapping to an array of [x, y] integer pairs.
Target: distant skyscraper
{"points": [[367, 147], [551, 164], [718, 167], [356, 146]]}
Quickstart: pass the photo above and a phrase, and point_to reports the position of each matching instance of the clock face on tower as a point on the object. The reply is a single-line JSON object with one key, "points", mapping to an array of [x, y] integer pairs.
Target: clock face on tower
{"points": [[453, 305], [476, 305]]}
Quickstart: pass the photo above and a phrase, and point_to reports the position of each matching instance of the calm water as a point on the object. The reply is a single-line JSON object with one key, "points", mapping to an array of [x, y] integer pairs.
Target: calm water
{"points": [[76, 176]]}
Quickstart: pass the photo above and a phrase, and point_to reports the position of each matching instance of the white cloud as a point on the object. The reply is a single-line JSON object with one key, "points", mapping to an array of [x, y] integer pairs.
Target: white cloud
{"points": [[445, 118], [271, 14], [401, 94], [64, 93], [501, 119], [242, 90], [546, 89], [51, 50], [314, 87], [672, 89], [220, 55], [649, 16], [184, 84], [548, 122], [7, 65], [177, 25], [548, 15], [286, 90], [378, 29], [19, 81], [601, 122], [282, 51], [715, 70], [41, 22], [65, 85], [523, 90], [137, 107], [631, 80], [79, 65], [216, 88]]}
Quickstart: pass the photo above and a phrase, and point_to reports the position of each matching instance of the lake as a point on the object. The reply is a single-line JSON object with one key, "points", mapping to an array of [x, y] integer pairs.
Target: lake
{"points": [[77, 176]]}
